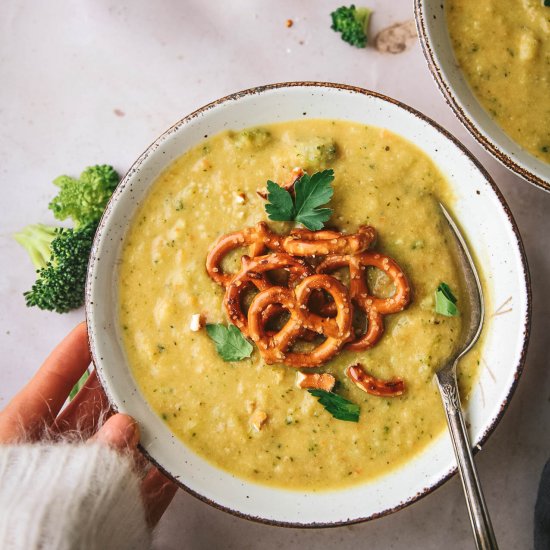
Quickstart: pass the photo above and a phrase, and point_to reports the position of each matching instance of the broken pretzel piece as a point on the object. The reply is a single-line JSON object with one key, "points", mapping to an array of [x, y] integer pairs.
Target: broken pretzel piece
{"points": [[197, 322], [295, 175], [258, 419], [374, 386], [316, 381]]}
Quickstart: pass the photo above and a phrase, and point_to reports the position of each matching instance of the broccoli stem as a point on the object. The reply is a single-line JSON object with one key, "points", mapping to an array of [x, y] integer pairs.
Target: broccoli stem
{"points": [[362, 15], [37, 239]]}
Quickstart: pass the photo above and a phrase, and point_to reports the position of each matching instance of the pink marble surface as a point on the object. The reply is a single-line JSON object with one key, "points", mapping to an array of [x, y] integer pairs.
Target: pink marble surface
{"points": [[95, 81]]}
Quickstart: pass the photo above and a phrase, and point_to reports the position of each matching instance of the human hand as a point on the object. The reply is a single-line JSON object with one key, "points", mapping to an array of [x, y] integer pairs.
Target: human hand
{"points": [[36, 409]]}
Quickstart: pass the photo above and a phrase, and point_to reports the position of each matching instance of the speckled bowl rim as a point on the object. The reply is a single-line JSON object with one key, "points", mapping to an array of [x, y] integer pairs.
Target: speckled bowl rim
{"points": [[446, 89], [526, 278]]}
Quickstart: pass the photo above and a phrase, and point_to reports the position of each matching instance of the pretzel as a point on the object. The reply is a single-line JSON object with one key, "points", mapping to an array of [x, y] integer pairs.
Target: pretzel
{"points": [[373, 385], [295, 175], [373, 307], [274, 347], [257, 238], [253, 271], [302, 242], [310, 313], [274, 311], [316, 381]]}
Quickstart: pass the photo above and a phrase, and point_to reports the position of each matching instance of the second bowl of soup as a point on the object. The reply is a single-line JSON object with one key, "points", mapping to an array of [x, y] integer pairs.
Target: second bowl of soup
{"points": [[491, 61]]}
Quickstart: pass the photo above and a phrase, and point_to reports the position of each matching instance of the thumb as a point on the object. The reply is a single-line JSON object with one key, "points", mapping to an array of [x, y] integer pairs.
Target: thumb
{"points": [[120, 432]]}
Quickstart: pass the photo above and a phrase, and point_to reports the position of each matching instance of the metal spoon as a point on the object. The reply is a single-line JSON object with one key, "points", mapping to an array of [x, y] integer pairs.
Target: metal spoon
{"points": [[446, 380]]}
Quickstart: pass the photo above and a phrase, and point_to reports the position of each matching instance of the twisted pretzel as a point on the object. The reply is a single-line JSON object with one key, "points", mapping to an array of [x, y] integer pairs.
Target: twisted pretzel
{"points": [[302, 242], [373, 307], [274, 347], [310, 313], [372, 385], [257, 238], [274, 311], [253, 272]]}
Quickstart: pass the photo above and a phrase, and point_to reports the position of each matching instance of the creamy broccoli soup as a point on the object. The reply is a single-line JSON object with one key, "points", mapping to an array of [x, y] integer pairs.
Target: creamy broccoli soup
{"points": [[503, 49], [249, 417]]}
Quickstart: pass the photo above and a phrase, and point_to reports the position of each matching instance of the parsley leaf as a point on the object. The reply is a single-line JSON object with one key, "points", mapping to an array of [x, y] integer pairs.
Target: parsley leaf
{"points": [[280, 207], [340, 408], [311, 192], [445, 301], [230, 342]]}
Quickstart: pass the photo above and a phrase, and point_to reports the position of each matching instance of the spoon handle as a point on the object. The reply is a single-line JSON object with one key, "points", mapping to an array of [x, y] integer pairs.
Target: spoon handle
{"points": [[477, 509]]}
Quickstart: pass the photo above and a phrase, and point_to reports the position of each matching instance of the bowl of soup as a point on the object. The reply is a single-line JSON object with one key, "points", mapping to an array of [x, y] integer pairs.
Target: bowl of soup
{"points": [[490, 61], [223, 401]]}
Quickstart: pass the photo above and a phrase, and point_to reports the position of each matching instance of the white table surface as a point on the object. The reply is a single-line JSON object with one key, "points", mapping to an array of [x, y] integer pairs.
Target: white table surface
{"points": [[68, 67]]}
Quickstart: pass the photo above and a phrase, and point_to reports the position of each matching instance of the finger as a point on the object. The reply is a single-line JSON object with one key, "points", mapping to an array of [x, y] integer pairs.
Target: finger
{"points": [[157, 492], [120, 432], [41, 399], [84, 413]]}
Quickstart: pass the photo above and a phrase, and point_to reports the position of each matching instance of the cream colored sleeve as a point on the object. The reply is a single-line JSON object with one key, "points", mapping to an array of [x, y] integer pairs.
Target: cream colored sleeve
{"points": [[69, 496]]}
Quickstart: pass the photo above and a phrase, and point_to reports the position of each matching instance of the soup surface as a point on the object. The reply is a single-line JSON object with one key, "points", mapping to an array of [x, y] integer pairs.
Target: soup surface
{"points": [[503, 48], [380, 179]]}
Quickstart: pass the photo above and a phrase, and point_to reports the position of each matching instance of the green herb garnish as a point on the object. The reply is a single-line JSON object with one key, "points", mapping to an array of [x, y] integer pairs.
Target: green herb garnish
{"points": [[230, 342], [311, 192], [280, 206], [445, 301], [78, 386], [340, 408]]}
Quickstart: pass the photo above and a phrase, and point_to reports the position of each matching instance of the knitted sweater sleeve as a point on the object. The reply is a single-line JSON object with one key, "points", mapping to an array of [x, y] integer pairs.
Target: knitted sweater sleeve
{"points": [[66, 496]]}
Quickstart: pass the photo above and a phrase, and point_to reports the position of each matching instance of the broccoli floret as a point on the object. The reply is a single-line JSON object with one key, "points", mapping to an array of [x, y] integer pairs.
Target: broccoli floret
{"points": [[316, 153], [61, 257], [352, 24], [251, 138], [84, 199], [60, 254]]}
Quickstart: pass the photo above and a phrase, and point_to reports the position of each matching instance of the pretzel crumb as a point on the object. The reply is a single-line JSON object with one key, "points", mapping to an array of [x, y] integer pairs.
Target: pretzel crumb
{"points": [[240, 198], [258, 419], [315, 381], [197, 322]]}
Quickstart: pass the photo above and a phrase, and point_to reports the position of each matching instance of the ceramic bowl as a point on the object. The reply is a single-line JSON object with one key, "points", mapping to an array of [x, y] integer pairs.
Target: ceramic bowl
{"points": [[436, 43], [480, 210]]}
